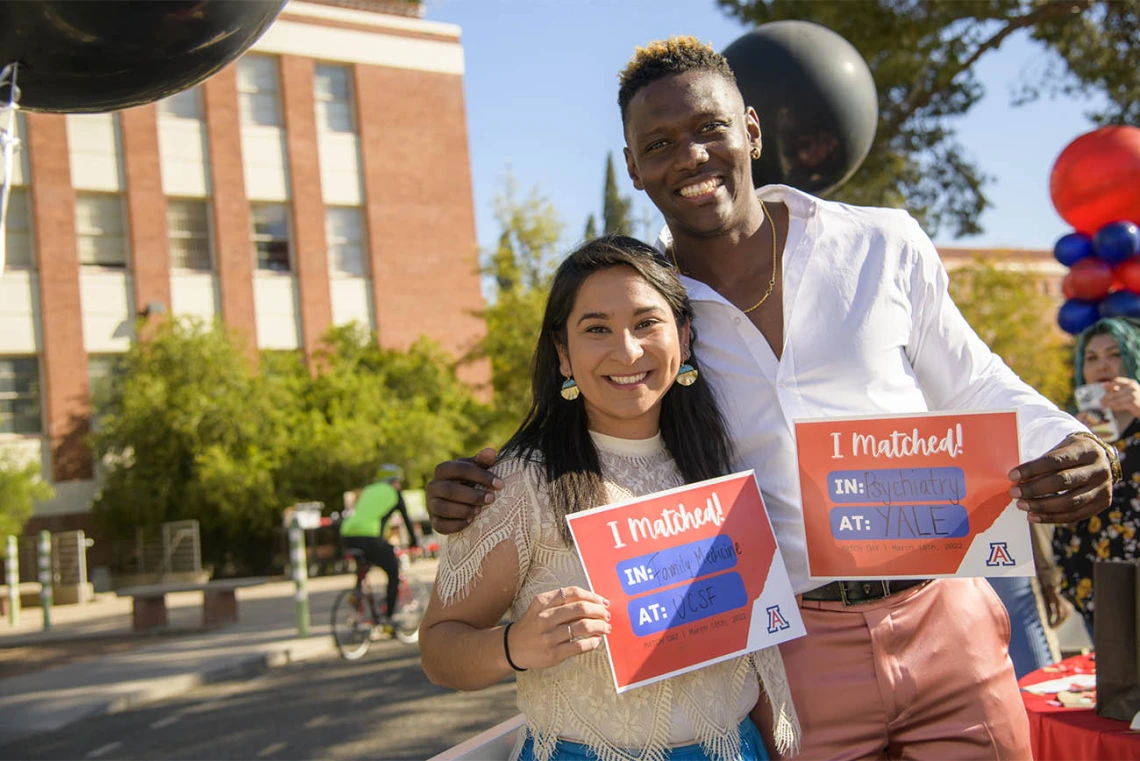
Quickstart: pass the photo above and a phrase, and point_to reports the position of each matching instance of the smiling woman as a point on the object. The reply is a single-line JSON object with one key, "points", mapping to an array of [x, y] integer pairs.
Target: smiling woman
{"points": [[618, 330]]}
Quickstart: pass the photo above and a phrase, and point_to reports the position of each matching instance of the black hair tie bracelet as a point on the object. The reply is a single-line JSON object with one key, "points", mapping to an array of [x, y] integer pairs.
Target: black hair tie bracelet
{"points": [[507, 647]]}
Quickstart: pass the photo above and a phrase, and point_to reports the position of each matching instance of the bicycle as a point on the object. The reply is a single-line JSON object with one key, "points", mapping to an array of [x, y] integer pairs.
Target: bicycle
{"points": [[356, 620]]}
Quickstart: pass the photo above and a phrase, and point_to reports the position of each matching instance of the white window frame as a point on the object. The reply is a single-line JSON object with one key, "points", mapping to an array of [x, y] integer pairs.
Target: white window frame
{"points": [[9, 398], [81, 234], [259, 91], [262, 264], [335, 112], [187, 105], [19, 248], [336, 242], [205, 235]]}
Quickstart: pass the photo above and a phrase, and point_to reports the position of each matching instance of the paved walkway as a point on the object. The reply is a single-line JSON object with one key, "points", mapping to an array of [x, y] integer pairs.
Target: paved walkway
{"points": [[265, 636]]}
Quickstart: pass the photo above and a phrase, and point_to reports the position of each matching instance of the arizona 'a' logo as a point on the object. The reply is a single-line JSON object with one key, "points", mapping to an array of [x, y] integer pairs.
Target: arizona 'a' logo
{"points": [[776, 620], [999, 555]]}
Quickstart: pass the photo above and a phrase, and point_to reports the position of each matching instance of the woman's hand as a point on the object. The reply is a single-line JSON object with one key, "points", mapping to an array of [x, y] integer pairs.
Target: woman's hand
{"points": [[1057, 606], [1122, 395], [558, 625]]}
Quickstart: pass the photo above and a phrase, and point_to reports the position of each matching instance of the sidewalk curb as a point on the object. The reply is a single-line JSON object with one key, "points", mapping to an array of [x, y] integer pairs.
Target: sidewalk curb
{"points": [[149, 691], [295, 651]]}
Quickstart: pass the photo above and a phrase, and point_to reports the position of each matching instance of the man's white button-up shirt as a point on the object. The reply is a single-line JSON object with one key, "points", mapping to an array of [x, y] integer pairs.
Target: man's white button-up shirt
{"points": [[869, 329]]}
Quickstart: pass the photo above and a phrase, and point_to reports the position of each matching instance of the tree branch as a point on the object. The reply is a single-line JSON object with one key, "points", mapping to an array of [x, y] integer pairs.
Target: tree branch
{"points": [[921, 97]]}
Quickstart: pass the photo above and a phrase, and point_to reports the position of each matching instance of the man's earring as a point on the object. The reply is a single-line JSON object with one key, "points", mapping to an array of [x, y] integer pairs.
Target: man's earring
{"points": [[755, 152], [686, 374], [570, 390]]}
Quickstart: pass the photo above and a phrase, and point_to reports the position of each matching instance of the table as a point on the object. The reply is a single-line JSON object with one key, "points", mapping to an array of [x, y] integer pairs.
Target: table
{"points": [[1071, 734]]}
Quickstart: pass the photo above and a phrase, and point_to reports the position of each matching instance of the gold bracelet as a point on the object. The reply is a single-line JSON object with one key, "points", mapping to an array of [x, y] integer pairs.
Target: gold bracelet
{"points": [[1110, 452]]}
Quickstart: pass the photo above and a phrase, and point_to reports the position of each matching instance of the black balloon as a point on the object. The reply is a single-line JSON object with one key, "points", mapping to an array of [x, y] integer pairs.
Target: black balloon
{"points": [[104, 55], [816, 101]]}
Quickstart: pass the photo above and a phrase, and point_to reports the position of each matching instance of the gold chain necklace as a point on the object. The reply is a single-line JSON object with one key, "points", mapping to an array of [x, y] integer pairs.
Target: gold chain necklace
{"points": [[771, 281]]}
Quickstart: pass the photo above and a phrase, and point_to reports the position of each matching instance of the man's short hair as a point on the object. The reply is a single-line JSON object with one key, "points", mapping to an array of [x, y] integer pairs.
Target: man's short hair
{"points": [[664, 58]]}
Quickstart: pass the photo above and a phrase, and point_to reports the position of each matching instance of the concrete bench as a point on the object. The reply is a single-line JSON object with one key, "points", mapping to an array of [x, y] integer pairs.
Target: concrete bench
{"points": [[219, 601], [29, 596]]}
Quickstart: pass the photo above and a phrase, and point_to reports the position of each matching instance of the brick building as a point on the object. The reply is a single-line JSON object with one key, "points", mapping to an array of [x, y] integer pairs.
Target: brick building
{"points": [[323, 178], [1038, 264]]}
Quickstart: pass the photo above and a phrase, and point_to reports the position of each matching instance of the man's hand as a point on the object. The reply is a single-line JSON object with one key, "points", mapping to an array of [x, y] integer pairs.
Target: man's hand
{"points": [[460, 489], [1057, 606], [1070, 482]]}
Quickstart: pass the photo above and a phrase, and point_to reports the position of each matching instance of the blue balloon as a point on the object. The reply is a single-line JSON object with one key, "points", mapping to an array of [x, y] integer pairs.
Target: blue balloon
{"points": [[1120, 304], [1076, 315], [1073, 247], [1117, 241]]}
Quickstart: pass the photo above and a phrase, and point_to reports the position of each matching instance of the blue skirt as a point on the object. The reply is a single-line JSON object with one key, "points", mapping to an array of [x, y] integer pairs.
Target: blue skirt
{"points": [[751, 749]]}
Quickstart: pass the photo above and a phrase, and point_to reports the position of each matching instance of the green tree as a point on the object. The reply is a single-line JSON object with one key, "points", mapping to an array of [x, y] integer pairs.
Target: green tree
{"points": [[21, 487], [591, 228], [367, 406], [1002, 302], [615, 206], [189, 431], [519, 270], [923, 56]]}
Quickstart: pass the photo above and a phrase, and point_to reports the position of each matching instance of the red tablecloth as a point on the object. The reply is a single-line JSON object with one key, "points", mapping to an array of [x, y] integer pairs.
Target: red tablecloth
{"points": [[1074, 734]]}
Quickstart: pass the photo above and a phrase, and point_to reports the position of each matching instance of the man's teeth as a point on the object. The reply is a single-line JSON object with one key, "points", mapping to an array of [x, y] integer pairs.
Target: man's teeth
{"points": [[707, 186], [627, 379]]}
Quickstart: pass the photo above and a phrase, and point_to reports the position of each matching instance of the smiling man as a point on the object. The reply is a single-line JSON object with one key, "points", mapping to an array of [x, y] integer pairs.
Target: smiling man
{"points": [[808, 308]]}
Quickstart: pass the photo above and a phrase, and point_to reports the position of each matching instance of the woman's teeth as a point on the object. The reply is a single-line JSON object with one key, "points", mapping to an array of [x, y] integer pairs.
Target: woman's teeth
{"points": [[625, 380]]}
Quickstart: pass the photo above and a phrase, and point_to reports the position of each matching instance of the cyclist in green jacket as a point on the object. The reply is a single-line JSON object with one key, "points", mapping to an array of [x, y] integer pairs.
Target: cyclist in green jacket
{"points": [[363, 529]]}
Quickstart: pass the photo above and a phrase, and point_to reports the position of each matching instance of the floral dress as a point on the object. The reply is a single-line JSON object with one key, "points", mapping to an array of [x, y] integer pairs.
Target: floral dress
{"points": [[1112, 533]]}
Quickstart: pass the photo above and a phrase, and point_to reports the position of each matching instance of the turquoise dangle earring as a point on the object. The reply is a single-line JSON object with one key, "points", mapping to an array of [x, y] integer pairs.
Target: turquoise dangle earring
{"points": [[570, 390], [687, 374]]}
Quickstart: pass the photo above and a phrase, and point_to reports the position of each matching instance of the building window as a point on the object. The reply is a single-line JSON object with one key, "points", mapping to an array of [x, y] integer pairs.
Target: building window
{"points": [[343, 228], [333, 94], [271, 236], [259, 91], [184, 105], [99, 230], [103, 371], [20, 395], [188, 230], [18, 252]]}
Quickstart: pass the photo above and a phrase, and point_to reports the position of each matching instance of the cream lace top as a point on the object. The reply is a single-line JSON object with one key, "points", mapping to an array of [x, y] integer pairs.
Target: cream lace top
{"points": [[576, 700]]}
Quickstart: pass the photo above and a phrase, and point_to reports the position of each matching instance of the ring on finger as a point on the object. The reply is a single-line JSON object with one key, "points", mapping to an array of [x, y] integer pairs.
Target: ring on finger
{"points": [[571, 633]]}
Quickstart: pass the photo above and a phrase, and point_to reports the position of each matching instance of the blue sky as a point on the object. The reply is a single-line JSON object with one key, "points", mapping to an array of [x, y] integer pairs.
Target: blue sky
{"points": [[541, 87]]}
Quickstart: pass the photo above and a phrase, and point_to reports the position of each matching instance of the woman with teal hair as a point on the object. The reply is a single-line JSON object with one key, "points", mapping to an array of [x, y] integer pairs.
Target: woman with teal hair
{"points": [[1107, 354]]}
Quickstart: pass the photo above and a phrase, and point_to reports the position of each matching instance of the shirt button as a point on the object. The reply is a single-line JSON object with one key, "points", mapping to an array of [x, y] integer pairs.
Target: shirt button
{"points": [[783, 384], [736, 320]]}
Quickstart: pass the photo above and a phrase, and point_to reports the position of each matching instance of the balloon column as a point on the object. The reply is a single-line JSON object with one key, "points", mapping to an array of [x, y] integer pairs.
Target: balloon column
{"points": [[1095, 187]]}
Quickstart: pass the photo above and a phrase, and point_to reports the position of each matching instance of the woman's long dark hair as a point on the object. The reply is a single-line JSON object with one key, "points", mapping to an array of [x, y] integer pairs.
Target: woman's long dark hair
{"points": [[554, 432]]}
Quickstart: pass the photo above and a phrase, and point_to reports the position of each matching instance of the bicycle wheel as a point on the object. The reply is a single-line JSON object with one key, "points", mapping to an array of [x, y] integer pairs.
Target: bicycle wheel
{"points": [[414, 596], [351, 624]]}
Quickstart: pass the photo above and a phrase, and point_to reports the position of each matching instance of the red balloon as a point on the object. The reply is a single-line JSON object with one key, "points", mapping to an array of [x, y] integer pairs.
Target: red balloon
{"points": [[1129, 274], [1094, 180], [1088, 280], [1067, 288]]}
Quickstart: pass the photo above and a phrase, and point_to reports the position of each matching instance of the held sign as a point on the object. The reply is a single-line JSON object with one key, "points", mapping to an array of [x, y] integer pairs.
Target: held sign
{"points": [[693, 576], [912, 496]]}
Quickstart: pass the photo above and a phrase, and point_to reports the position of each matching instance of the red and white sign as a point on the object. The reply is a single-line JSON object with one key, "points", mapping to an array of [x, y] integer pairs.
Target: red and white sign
{"points": [[693, 576], [912, 496]]}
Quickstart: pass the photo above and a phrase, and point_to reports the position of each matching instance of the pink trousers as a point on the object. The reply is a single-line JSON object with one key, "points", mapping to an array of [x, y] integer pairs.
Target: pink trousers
{"points": [[924, 674]]}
